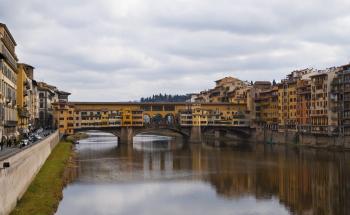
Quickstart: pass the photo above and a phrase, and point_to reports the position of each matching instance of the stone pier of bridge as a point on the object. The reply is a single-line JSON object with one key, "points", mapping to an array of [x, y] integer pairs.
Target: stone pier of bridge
{"points": [[126, 135]]}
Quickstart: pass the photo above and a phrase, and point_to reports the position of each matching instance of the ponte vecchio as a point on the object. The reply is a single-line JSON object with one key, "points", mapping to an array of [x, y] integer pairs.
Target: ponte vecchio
{"points": [[125, 119]]}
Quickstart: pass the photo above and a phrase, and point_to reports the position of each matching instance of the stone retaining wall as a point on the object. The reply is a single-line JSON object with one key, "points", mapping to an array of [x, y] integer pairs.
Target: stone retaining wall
{"points": [[24, 166], [291, 137]]}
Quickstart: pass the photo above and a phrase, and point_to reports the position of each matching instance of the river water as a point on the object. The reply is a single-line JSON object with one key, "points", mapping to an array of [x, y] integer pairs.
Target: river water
{"points": [[159, 175]]}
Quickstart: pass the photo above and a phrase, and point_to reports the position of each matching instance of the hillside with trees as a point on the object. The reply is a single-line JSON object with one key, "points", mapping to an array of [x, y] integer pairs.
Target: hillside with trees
{"points": [[165, 98]]}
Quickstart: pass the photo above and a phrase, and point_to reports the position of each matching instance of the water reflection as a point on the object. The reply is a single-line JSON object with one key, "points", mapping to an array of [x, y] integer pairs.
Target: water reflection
{"points": [[152, 143], [193, 179]]}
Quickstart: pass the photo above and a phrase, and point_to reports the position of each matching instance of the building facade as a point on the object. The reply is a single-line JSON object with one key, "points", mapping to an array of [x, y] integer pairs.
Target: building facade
{"points": [[324, 118], [303, 105], [47, 96], [26, 98], [8, 85], [340, 97]]}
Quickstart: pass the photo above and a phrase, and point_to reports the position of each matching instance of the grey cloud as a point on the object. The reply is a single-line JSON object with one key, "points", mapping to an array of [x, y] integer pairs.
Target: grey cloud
{"points": [[122, 50]]}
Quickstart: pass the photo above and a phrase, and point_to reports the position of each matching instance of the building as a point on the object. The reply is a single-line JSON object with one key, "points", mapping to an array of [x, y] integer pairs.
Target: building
{"points": [[48, 95], [202, 97], [303, 105], [34, 117], [267, 108], [26, 98], [340, 97], [294, 100], [221, 92], [324, 118], [8, 85]]}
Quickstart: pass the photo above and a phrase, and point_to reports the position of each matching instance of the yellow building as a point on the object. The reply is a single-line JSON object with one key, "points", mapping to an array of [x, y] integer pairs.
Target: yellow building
{"points": [[25, 97], [292, 102], [282, 104], [268, 108], [287, 104], [64, 118]]}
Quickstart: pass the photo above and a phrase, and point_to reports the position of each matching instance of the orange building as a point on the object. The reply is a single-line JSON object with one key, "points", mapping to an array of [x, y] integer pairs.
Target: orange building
{"points": [[303, 105]]}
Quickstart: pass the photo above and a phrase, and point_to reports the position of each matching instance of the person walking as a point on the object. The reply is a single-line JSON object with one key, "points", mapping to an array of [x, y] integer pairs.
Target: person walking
{"points": [[9, 142]]}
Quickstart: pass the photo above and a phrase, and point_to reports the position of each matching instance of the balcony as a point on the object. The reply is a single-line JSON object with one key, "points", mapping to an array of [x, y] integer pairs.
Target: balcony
{"points": [[318, 83], [23, 112]]}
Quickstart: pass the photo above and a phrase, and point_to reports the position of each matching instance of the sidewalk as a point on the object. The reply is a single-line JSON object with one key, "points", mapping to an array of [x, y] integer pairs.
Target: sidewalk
{"points": [[6, 152], [9, 151]]}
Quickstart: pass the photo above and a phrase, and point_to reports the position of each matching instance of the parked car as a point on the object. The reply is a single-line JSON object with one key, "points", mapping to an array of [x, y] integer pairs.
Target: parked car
{"points": [[37, 136], [24, 142], [32, 138]]}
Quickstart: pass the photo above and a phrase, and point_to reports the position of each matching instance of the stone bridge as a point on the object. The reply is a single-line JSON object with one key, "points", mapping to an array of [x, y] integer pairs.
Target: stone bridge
{"points": [[127, 119]]}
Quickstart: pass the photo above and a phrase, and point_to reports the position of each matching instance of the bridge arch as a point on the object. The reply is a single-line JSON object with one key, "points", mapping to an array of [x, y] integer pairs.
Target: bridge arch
{"points": [[157, 119], [240, 132], [170, 119], [147, 119]]}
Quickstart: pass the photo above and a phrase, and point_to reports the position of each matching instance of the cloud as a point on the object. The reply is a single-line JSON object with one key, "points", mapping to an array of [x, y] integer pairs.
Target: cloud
{"points": [[181, 197], [123, 50]]}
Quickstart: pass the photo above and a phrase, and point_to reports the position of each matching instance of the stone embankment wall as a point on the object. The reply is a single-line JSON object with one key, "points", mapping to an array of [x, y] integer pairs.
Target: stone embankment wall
{"points": [[292, 137], [24, 166]]}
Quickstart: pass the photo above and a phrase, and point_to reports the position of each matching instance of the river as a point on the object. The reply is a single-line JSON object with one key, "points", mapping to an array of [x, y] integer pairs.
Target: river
{"points": [[159, 175]]}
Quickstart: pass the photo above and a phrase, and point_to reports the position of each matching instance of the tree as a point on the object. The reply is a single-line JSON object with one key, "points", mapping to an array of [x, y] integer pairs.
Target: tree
{"points": [[165, 98]]}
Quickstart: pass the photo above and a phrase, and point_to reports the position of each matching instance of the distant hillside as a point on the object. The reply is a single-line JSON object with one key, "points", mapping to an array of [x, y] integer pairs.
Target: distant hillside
{"points": [[165, 98]]}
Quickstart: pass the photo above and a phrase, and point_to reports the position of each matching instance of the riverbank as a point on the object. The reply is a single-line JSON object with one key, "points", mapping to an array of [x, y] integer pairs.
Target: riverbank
{"points": [[45, 192], [318, 141], [77, 136]]}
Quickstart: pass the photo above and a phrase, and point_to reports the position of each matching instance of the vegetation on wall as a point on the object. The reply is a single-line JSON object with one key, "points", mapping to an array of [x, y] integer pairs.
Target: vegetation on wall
{"points": [[45, 192]]}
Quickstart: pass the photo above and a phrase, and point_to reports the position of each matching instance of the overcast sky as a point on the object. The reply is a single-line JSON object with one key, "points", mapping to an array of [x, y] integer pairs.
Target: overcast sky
{"points": [[121, 50]]}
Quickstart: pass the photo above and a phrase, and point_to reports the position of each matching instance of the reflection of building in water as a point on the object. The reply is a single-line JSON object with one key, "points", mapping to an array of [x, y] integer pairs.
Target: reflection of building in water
{"points": [[304, 186], [306, 182]]}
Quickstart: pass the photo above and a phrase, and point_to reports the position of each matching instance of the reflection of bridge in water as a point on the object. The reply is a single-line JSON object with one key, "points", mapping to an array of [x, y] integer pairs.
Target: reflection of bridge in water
{"points": [[189, 120]]}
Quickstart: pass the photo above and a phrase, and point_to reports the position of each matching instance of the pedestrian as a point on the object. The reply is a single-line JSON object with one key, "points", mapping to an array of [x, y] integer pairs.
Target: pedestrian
{"points": [[1, 144], [8, 143]]}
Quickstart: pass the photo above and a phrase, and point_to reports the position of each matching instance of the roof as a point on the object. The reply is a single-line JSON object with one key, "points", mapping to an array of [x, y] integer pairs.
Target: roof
{"points": [[63, 93], [262, 83], [26, 65], [8, 31], [319, 74], [227, 79], [149, 103]]}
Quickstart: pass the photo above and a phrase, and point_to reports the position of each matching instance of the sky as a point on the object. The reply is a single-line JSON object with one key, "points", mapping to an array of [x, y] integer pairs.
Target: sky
{"points": [[122, 50]]}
